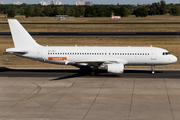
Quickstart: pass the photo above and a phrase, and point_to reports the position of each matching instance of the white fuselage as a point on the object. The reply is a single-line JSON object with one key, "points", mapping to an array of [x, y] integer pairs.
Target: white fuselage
{"points": [[125, 55]]}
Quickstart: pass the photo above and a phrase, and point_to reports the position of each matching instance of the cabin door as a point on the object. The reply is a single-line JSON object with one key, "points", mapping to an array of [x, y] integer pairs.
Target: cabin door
{"points": [[39, 54], [153, 54]]}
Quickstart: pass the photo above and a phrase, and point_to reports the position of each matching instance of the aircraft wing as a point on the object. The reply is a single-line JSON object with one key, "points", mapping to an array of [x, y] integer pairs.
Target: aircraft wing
{"points": [[99, 62]]}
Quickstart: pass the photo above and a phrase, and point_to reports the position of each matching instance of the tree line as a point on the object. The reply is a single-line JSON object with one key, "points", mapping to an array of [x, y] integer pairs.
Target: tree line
{"points": [[158, 8]]}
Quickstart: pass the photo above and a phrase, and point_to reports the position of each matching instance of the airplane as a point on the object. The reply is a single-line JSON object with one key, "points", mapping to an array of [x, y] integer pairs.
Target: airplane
{"points": [[113, 59]]}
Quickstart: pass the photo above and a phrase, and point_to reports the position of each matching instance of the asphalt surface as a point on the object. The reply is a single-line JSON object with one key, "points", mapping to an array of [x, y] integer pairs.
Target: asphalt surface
{"points": [[56, 94], [85, 34], [101, 23], [65, 74]]}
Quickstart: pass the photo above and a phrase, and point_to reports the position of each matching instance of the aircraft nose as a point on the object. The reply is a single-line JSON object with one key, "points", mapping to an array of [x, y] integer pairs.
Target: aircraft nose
{"points": [[174, 59]]}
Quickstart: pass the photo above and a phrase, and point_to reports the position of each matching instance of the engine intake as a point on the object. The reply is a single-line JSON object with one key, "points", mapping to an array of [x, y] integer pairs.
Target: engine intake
{"points": [[115, 68]]}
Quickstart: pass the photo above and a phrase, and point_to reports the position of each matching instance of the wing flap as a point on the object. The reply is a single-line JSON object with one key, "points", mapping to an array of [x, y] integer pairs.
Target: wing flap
{"points": [[99, 62]]}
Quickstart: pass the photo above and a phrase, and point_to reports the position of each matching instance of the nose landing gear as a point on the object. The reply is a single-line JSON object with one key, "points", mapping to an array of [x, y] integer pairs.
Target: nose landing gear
{"points": [[152, 69]]}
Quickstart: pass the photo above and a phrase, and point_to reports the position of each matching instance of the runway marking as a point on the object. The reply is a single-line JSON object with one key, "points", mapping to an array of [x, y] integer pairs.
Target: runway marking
{"points": [[39, 89]]}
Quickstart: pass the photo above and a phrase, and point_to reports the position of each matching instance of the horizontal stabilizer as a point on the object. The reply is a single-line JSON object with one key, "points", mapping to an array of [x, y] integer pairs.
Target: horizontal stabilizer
{"points": [[15, 50]]}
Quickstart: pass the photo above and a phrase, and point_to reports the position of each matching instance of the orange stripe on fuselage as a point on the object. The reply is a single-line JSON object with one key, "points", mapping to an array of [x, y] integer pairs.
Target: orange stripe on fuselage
{"points": [[58, 58]]}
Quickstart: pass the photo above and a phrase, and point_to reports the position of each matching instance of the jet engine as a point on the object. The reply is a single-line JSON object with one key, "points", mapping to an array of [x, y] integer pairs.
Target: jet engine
{"points": [[115, 68]]}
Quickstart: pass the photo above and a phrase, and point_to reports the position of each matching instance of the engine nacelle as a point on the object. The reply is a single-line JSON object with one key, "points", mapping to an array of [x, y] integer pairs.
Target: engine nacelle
{"points": [[115, 68]]}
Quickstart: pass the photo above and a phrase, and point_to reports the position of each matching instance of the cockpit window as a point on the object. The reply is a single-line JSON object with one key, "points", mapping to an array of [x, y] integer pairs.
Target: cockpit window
{"points": [[166, 53]]}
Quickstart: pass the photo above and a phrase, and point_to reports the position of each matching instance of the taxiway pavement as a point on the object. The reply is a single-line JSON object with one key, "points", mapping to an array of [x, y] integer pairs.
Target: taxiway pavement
{"points": [[37, 94]]}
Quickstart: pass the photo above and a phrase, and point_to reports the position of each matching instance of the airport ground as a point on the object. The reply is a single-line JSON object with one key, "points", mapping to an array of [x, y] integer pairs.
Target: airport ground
{"points": [[52, 93], [56, 94], [131, 18], [98, 28]]}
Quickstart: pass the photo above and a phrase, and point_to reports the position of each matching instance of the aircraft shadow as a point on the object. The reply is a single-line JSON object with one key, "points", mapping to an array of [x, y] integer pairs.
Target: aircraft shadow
{"points": [[66, 74]]}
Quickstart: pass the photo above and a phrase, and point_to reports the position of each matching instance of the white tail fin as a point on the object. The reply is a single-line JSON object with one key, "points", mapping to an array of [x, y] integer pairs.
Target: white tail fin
{"points": [[21, 37]]}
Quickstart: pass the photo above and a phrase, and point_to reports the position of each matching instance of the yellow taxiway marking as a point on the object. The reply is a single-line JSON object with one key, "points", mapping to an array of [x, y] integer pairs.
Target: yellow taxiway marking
{"points": [[39, 89], [66, 88]]}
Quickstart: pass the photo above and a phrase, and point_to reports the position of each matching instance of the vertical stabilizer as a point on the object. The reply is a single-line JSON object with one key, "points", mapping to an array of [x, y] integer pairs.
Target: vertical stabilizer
{"points": [[21, 37]]}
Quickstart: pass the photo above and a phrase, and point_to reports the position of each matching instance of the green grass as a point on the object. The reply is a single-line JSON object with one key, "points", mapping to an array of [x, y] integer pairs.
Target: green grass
{"points": [[98, 28]]}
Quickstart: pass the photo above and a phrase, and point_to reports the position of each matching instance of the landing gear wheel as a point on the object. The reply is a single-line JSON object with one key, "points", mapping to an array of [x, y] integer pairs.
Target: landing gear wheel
{"points": [[152, 69], [93, 73]]}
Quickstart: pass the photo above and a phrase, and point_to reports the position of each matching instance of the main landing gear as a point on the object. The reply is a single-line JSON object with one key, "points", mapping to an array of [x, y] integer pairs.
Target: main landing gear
{"points": [[152, 69], [94, 72]]}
